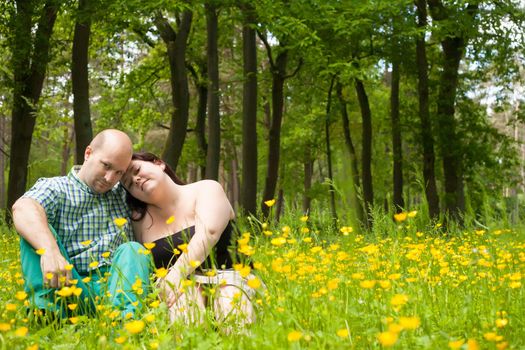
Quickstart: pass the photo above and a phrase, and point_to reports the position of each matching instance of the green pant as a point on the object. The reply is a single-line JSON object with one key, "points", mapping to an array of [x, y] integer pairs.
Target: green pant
{"points": [[128, 265]]}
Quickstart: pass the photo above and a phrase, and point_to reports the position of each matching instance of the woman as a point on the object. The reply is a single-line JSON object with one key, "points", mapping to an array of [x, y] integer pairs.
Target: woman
{"points": [[169, 213]]}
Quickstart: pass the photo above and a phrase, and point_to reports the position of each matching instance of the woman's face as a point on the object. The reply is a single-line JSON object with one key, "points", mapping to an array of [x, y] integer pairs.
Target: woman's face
{"points": [[142, 177]]}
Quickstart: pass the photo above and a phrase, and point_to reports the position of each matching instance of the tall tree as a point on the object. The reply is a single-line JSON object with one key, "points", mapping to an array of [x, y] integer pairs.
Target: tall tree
{"points": [[249, 113], [176, 44], [453, 45], [30, 56], [394, 117], [80, 80], [366, 156], [214, 122], [329, 150], [426, 135], [278, 68]]}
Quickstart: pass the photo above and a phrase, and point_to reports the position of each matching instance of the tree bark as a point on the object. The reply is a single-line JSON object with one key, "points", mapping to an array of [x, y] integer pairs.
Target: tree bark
{"points": [[200, 127], [214, 122], [427, 138], [366, 157], [176, 44], [308, 165], [453, 49], [29, 61], [356, 182], [80, 81], [274, 141], [2, 161], [329, 150], [399, 203], [249, 113]]}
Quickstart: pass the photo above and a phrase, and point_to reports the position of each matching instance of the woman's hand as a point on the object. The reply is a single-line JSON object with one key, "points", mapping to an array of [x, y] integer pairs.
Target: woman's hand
{"points": [[169, 288]]}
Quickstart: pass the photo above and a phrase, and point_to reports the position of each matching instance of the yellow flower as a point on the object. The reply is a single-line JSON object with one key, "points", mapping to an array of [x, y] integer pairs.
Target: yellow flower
{"points": [[72, 307], [135, 327], [490, 336], [472, 344], [65, 292], [4, 327], [32, 347], [149, 318], [170, 220], [73, 320], [154, 304], [400, 217], [343, 333], [270, 203], [21, 332], [456, 344], [86, 243], [194, 263], [367, 284], [69, 267], [501, 322], [279, 241], [412, 213], [21, 295], [154, 344], [161, 272], [307, 239], [183, 247], [294, 335], [399, 300], [93, 264], [106, 255], [304, 218], [49, 275], [502, 346], [10, 307], [333, 284], [346, 230], [254, 283], [387, 338], [40, 251], [86, 279], [409, 322], [120, 222], [120, 340], [149, 245]]}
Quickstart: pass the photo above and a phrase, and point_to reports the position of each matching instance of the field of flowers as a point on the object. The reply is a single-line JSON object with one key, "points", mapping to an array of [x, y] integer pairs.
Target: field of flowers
{"points": [[408, 285]]}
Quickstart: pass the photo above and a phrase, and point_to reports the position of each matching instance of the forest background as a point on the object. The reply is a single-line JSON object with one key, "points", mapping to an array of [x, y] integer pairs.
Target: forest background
{"points": [[356, 106]]}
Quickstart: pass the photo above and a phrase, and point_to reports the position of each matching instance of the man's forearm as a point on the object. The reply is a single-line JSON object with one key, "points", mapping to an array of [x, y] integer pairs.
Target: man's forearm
{"points": [[30, 222]]}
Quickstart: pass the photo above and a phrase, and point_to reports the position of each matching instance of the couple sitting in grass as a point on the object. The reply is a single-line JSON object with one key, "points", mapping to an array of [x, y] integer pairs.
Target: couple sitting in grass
{"points": [[70, 238]]}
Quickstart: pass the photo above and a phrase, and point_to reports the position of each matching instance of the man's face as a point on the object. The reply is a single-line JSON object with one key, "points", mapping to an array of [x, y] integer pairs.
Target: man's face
{"points": [[104, 167]]}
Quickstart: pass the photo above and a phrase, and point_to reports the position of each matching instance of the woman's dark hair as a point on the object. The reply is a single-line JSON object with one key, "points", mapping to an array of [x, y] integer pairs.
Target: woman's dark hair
{"points": [[138, 207]]}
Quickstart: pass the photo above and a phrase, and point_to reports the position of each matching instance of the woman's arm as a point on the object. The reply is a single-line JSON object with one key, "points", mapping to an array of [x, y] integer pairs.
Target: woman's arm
{"points": [[213, 211]]}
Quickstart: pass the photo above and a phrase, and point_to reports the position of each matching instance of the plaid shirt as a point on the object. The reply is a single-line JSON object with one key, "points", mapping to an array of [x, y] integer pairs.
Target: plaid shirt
{"points": [[78, 214]]}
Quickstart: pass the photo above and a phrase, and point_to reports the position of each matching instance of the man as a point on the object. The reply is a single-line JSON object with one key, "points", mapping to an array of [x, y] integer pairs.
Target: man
{"points": [[70, 241]]}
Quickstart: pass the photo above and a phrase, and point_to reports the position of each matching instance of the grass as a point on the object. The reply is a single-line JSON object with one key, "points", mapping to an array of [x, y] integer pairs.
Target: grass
{"points": [[409, 285]]}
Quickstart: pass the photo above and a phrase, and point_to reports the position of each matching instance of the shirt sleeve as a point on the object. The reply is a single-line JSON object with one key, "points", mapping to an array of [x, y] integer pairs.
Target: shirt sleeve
{"points": [[46, 192]]}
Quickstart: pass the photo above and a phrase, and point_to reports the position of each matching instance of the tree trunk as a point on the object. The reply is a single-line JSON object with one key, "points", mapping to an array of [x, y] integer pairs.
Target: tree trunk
{"points": [[2, 161], [399, 204], [249, 112], [214, 121], [274, 142], [80, 81], [200, 128], [356, 182], [176, 44], [427, 138], [308, 174], [453, 50], [366, 161], [329, 151], [66, 149], [29, 62]]}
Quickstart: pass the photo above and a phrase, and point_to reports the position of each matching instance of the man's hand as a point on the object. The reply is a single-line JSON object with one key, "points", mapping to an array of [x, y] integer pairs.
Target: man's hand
{"points": [[53, 265]]}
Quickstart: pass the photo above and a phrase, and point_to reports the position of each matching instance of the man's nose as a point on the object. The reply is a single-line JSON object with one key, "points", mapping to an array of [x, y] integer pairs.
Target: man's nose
{"points": [[111, 177]]}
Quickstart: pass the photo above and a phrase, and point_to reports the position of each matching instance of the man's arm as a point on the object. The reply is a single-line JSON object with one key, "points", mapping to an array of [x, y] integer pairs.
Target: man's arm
{"points": [[30, 221]]}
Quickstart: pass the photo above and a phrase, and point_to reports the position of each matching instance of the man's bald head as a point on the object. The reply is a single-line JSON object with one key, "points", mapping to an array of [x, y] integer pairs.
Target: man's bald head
{"points": [[106, 159]]}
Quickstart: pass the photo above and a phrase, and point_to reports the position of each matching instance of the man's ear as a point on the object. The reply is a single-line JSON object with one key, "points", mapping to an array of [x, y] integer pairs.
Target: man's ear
{"points": [[87, 152]]}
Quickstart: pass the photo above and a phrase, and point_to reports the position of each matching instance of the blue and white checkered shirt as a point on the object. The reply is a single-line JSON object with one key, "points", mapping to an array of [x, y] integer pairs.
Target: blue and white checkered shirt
{"points": [[78, 214]]}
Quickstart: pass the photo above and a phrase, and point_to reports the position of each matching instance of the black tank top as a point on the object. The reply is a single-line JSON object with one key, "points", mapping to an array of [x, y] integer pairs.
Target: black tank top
{"points": [[166, 251]]}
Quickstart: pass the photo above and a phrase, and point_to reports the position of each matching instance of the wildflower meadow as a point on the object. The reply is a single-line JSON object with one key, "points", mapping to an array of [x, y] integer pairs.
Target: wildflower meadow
{"points": [[407, 285]]}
